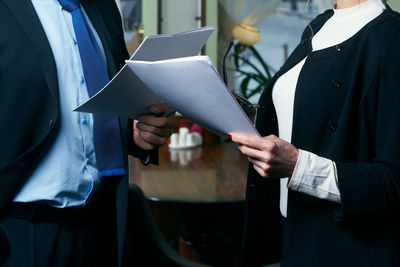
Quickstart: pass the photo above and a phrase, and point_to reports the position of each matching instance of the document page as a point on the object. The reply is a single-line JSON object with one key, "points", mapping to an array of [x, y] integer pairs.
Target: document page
{"points": [[126, 95], [193, 87]]}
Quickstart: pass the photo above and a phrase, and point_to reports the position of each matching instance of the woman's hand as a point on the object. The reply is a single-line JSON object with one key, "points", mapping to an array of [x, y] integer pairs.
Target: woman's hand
{"points": [[271, 156], [153, 130]]}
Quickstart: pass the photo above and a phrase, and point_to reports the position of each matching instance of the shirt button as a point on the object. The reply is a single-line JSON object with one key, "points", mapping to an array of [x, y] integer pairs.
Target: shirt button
{"points": [[87, 160], [84, 121], [333, 126], [51, 123], [75, 42], [82, 80], [337, 83]]}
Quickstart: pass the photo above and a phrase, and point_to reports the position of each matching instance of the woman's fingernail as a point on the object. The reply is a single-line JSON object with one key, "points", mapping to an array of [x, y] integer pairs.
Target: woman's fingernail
{"points": [[229, 137]]}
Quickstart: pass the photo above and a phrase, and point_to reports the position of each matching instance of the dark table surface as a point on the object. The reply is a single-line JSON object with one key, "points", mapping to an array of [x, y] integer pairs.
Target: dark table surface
{"points": [[212, 173]]}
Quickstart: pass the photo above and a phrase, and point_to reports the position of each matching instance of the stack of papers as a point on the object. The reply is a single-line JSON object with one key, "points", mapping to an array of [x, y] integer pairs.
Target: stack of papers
{"points": [[166, 69]]}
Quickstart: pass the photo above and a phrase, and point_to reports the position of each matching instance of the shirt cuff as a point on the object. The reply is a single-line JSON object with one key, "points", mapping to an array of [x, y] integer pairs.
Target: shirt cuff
{"points": [[315, 176]]}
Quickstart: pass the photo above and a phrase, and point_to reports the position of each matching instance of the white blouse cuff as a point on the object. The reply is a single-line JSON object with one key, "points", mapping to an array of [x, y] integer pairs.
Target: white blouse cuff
{"points": [[315, 176]]}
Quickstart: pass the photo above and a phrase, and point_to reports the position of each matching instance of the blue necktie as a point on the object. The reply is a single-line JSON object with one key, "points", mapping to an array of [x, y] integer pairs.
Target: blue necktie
{"points": [[106, 132]]}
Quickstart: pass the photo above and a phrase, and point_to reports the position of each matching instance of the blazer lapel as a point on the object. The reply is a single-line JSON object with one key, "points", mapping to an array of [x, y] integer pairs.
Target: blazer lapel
{"points": [[305, 46], [30, 23]]}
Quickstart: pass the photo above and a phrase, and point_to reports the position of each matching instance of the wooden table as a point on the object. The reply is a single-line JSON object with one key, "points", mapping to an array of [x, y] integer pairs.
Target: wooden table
{"points": [[197, 197], [208, 174]]}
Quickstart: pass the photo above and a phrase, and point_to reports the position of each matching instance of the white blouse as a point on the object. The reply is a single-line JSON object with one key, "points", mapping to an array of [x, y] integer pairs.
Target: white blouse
{"points": [[314, 175]]}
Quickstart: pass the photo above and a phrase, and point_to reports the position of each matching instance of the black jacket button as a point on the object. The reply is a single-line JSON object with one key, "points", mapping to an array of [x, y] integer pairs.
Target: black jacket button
{"points": [[339, 48], [333, 126], [304, 41], [337, 83], [51, 123]]}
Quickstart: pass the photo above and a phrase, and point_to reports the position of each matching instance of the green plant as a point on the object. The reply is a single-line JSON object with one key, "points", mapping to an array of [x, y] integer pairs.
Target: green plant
{"points": [[257, 77]]}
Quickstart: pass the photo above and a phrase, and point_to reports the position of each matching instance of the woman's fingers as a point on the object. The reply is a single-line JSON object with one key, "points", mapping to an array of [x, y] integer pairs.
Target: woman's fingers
{"points": [[260, 143], [270, 155], [265, 167], [261, 155], [260, 171]]}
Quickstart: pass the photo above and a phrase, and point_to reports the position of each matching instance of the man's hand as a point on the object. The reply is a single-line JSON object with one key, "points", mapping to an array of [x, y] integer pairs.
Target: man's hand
{"points": [[270, 155], [153, 130]]}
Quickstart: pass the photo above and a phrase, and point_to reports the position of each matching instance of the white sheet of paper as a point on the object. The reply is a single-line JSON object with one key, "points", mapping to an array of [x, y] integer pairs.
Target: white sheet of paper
{"points": [[193, 87], [126, 95]]}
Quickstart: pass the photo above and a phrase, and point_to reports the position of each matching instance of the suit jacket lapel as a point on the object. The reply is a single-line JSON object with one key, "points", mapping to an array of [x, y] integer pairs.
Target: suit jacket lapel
{"points": [[30, 23]]}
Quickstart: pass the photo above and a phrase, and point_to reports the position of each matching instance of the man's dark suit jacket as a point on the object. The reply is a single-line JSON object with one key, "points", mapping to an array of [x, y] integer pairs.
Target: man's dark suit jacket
{"points": [[29, 98], [346, 109]]}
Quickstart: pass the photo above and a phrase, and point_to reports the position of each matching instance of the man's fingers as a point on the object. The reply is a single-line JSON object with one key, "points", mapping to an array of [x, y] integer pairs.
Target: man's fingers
{"points": [[159, 108], [162, 132], [147, 146], [152, 139], [156, 121], [153, 130]]}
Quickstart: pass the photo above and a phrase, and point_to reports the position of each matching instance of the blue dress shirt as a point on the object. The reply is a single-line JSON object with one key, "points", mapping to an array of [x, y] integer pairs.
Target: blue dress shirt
{"points": [[68, 173]]}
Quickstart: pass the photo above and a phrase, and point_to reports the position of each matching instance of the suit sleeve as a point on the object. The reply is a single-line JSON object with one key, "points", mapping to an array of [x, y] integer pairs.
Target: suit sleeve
{"points": [[372, 190]]}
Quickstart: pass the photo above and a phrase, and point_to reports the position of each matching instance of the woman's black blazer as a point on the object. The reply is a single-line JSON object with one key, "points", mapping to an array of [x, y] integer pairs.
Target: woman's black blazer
{"points": [[347, 109]]}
